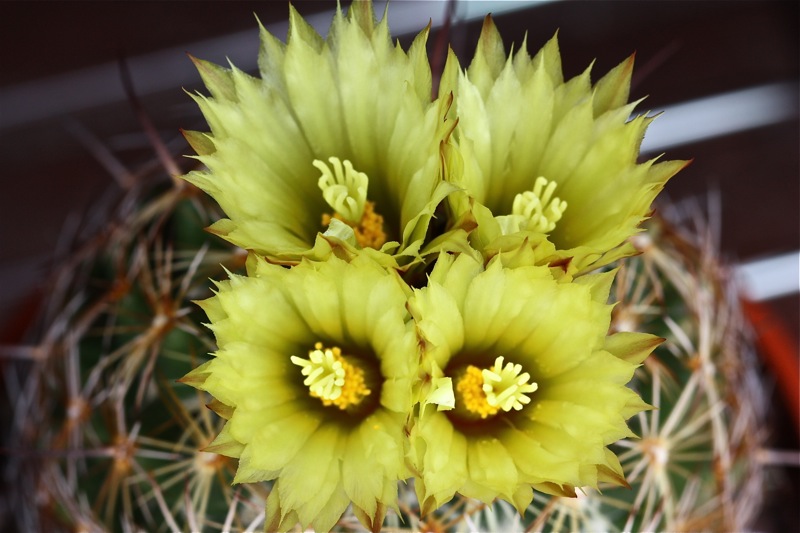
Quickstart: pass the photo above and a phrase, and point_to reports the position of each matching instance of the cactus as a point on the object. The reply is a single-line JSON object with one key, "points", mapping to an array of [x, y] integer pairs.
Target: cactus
{"points": [[106, 438]]}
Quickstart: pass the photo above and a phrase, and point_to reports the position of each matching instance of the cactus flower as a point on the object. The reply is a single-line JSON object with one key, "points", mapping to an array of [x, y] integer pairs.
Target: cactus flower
{"points": [[314, 373], [337, 137], [526, 390], [544, 156]]}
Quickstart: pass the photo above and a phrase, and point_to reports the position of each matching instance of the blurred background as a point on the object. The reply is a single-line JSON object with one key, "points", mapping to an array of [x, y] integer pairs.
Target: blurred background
{"points": [[725, 73]]}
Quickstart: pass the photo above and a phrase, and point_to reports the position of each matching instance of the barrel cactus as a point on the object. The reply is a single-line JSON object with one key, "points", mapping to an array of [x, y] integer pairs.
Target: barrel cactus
{"points": [[412, 321]]}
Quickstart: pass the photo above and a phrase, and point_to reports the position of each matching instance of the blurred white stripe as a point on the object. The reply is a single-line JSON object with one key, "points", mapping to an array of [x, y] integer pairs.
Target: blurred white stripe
{"points": [[722, 114], [771, 277], [169, 68]]}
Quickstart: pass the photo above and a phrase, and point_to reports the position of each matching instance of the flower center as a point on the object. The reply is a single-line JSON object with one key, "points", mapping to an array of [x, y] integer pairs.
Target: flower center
{"points": [[537, 210], [332, 378], [483, 393], [345, 191]]}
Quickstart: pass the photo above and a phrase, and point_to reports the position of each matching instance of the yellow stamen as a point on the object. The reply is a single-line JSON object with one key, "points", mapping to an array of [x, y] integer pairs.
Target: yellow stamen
{"points": [[538, 210], [331, 378], [369, 231], [485, 392], [470, 390]]}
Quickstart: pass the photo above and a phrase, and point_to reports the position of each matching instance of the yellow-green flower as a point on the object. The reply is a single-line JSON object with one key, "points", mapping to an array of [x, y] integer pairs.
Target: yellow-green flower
{"points": [[314, 371], [525, 390], [338, 135], [544, 156]]}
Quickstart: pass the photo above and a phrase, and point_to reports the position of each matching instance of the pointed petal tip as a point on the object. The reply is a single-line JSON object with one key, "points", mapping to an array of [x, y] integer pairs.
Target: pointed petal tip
{"points": [[200, 64], [193, 379], [372, 523]]}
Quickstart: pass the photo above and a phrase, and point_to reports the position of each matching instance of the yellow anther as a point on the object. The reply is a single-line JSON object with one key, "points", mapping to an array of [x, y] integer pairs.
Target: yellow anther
{"points": [[470, 392], [369, 231], [331, 378], [483, 393], [538, 210]]}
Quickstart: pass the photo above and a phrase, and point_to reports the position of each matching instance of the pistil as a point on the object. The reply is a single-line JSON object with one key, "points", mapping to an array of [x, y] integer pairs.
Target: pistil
{"points": [[332, 378], [481, 394], [536, 210], [345, 191]]}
